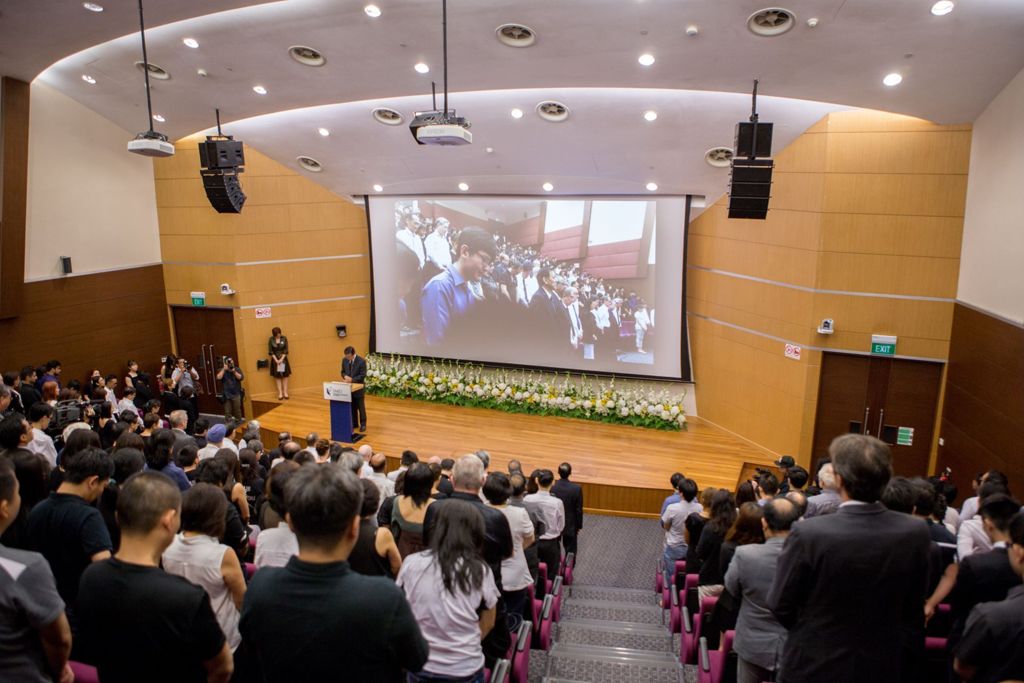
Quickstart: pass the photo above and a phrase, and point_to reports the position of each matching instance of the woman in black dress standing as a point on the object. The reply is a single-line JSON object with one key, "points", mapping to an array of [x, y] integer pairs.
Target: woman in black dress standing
{"points": [[280, 368]]}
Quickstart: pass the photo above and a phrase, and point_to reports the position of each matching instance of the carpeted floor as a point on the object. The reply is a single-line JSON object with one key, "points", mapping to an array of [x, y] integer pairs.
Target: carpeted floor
{"points": [[619, 552]]}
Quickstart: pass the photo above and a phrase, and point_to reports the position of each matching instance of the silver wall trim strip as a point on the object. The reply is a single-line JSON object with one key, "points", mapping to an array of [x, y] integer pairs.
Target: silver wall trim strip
{"points": [[305, 259], [305, 301], [814, 290]]}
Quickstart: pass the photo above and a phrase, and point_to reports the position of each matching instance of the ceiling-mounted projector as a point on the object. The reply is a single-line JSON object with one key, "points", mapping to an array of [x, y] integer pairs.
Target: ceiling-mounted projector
{"points": [[440, 128], [151, 145]]}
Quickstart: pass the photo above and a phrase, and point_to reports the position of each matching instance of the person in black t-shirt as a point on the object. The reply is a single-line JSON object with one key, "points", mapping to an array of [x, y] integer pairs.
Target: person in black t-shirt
{"points": [[67, 529], [315, 619], [137, 621]]}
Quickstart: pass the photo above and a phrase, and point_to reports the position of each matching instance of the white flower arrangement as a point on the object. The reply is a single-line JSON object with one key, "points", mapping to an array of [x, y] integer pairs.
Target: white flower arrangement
{"points": [[522, 391]]}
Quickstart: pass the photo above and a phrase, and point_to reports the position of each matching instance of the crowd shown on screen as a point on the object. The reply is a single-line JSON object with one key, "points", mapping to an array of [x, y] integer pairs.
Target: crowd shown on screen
{"points": [[573, 314], [852, 574], [177, 554]]}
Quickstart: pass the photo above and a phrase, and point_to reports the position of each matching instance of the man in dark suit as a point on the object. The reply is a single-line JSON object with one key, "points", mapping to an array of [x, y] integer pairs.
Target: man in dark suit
{"points": [[550, 323], [571, 496], [353, 370], [851, 586], [986, 576]]}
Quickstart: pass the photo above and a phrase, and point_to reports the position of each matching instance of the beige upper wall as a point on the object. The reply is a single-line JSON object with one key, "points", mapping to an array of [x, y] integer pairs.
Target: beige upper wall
{"points": [[993, 241], [88, 198]]}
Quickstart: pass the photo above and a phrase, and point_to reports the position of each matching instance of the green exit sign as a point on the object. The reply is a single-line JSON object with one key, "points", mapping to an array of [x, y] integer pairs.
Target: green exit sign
{"points": [[883, 345], [198, 298]]}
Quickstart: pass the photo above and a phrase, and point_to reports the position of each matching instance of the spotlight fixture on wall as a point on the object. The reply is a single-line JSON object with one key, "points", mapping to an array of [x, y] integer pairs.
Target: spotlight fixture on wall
{"points": [[342, 331], [751, 182], [221, 159], [149, 143]]}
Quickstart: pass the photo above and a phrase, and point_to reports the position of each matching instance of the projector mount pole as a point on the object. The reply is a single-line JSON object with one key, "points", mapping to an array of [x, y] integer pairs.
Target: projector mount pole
{"points": [[219, 133], [145, 67], [444, 39], [433, 94], [753, 120]]}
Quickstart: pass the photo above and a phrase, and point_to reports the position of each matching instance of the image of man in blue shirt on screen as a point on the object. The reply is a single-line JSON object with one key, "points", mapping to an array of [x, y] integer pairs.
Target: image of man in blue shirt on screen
{"points": [[447, 297]]}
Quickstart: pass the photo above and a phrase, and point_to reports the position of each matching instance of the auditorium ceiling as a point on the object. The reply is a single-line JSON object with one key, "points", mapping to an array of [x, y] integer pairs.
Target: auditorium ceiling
{"points": [[586, 55]]}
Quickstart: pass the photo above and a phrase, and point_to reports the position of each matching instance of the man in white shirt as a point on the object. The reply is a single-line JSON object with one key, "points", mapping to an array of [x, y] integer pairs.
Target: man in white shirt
{"points": [[386, 487], [515, 572], [673, 520], [438, 251], [530, 284], [407, 236], [40, 415], [311, 440], [972, 537], [552, 511], [572, 307], [642, 321], [408, 460], [365, 452], [216, 439]]}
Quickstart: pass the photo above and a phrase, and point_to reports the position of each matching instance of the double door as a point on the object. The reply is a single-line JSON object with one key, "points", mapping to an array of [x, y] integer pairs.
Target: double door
{"points": [[205, 337], [892, 399]]}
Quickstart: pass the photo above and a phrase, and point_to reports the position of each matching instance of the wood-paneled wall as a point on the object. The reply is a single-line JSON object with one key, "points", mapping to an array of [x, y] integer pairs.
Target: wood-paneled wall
{"points": [[865, 219], [984, 408], [296, 247], [14, 122], [88, 322]]}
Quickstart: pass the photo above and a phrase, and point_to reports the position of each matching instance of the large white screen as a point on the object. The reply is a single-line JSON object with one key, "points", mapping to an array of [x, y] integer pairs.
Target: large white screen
{"points": [[591, 284]]}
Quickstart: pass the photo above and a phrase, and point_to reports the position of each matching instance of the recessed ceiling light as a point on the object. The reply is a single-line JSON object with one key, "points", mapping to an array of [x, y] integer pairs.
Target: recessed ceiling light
{"points": [[489, 150], [378, 188], [548, 187], [323, 131], [942, 8], [372, 11], [650, 115], [517, 113], [892, 79], [88, 79], [646, 59], [190, 42], [159, 118], [652, 187], [692, 30], [92, 6], [464, 187], [422, 68], [259, 90]]}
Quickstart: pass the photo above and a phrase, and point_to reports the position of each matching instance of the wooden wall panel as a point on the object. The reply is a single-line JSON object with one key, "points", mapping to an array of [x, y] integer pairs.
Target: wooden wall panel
{"points": [[97, 321], [984, 406], [14, 122]]}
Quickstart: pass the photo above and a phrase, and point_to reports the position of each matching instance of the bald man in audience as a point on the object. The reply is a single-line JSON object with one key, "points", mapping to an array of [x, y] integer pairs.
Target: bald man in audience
{"points": [[386, 487], [366, 452]]}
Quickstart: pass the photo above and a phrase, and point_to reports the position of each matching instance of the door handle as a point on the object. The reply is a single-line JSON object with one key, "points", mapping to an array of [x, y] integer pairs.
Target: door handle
{"points": [[881, 417], [867, 411]]}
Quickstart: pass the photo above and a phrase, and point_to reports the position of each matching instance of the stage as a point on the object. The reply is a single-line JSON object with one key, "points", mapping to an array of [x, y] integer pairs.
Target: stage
{"points": [[623, 469]]}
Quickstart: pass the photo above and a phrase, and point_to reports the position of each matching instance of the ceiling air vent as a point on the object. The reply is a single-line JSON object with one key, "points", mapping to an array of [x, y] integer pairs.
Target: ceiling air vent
{"points": [[771, 21], [516, 35], [388, 117], [309, 164], [306, 55], [553, 111], [157, 72], [719, 157]]}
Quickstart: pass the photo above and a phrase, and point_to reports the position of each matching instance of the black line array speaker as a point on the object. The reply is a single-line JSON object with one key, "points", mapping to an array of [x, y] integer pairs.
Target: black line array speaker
{"points": [[750, 187], [224, 154], [744, 143], [223, 191]]}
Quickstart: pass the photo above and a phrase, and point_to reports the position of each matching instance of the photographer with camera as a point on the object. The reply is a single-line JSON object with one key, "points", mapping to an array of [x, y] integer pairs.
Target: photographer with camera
{"points": [[231, 378], [184, 375]]}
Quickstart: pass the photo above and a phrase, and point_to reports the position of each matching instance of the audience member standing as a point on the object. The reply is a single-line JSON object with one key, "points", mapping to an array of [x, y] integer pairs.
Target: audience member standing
{"points": [[198, 555], [35, 637], [571, 495], [67, 529], [759, 637], [315, 617], [710, 580], [276, 543], [850, 586], [972, 537], [453, 595], [515, 572], [230, 377], [673, 519], [138, 621], [553, 511], [826, 502], [29, 393], [375, 552], [409, 510], [280, 365]]}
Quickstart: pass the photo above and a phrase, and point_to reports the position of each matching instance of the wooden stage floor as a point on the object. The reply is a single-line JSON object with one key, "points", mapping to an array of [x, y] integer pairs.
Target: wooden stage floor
{"points": [[623, 469]]}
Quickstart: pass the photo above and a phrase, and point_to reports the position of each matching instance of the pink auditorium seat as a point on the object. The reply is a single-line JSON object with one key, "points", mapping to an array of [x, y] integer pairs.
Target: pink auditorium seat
{"points": [[688, 643], [84, 673], [556, 595], [542, 576], [521, 654], [249, 569], [544, 631], [712, 663], [675, 613], [499, 674], [568, 566], [535, 604]]}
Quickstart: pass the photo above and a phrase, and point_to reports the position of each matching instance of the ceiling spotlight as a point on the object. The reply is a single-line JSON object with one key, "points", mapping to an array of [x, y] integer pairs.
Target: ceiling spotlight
{"points": [[202, 73], [646, 59], [93, 7], [692, 30], [159, 118], [422, 68], [323, 132], [548, 187], [88, 79], [378, 188], [517, 113], [372, 11], [939, 9], [190, 42], [464, 187], [892, 79], [259, 90], [652, 187], [650, 115], [489, 150], [812, 22]]}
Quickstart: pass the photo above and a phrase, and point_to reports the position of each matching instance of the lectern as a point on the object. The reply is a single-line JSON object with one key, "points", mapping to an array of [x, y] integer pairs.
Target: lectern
{"points": [[339, 394]]}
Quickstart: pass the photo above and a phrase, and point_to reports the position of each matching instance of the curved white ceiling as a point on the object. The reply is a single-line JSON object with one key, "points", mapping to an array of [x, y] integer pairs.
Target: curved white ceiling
{"points": [[952, 67]]}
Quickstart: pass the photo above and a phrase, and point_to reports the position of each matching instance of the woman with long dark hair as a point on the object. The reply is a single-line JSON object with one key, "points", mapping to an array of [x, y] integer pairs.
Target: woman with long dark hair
{"points": [[745, 530], [158, 457], [235, 488], [452, 594], [280, 366], [409, 509], [723, 514]]}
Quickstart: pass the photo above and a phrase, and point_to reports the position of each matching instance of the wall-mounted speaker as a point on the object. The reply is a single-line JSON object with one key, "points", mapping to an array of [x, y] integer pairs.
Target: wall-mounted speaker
{"points": [[744, 144], [750, 188], [342, 331], [65, 265]]}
